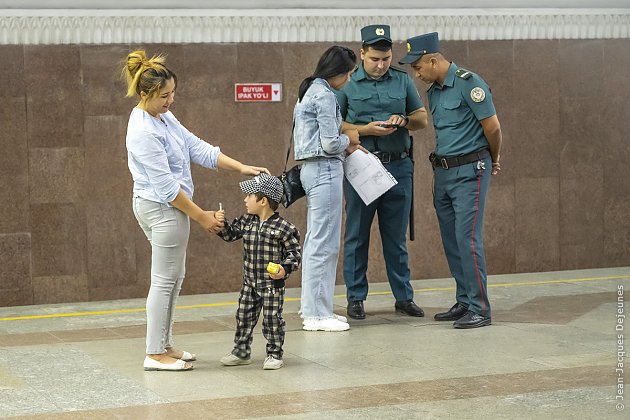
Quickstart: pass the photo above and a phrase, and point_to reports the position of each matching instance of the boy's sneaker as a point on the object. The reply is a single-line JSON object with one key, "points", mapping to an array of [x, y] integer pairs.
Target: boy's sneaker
{"points": [[271, 363], [330, 324], [233, 360]]}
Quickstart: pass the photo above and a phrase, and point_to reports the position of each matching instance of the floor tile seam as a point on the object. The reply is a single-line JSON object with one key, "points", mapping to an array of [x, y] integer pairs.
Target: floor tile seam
{"points": [[233, 303], [66, 336], [342, 398]]}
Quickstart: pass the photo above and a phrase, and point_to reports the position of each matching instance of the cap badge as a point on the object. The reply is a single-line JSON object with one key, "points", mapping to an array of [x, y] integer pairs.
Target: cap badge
{"points": [[380, 31], [477, 94], [408, 47]]}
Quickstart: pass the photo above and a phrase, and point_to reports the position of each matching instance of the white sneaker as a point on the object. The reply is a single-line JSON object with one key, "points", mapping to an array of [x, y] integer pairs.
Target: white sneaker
{"points": [[271, 363], [233, 360], [330, 324], [340, 318]]}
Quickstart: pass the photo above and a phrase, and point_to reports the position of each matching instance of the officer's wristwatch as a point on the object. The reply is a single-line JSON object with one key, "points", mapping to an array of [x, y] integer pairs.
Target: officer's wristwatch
{"points": [[404, 117]]}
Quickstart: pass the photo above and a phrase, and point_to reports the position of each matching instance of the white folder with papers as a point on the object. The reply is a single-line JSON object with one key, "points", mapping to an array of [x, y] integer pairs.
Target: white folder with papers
{"points": [[368, 176]]}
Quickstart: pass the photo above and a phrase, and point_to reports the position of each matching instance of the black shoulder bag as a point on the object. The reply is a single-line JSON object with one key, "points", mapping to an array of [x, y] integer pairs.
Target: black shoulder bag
{"points": [[291, 183]]}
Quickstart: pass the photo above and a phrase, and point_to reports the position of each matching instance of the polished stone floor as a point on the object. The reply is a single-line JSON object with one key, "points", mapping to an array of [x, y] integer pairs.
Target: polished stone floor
{"points": [[551, 353]]}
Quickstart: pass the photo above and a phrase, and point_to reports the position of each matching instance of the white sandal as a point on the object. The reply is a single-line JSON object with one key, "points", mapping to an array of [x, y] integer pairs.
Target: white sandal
{"points": [[154, 365]]}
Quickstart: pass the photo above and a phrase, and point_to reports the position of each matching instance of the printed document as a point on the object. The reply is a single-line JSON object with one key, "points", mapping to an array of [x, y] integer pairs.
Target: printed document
{"points": [[368, 176]]}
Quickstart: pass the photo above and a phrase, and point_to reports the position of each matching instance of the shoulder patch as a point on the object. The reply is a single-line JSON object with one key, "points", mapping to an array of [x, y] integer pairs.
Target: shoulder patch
{"points": [[477, 94], [463, 73]]}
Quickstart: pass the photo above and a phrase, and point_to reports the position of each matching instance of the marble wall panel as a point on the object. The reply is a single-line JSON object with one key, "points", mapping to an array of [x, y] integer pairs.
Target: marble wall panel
{"points": [[616, 250], [581, 67], [110, 221], [14, 167], [581, 183], [615, 60], [530, 120], [54, 101], [11, 71], [612, 142], [57, 175], [497, 60], [15, 270], [212, 264], [582, 222], [457, 51], [60, 289], [58, 239], [104, 90], [536, 224], [499, 229]]}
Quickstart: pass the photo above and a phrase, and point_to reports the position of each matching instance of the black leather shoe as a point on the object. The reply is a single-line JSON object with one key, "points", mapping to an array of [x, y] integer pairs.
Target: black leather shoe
{"points": [[355, 309], [407, 307], [472, 320], [457, 311]]}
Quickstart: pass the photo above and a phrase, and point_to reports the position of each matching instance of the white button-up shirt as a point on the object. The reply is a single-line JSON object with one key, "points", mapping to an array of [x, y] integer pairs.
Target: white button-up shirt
{"points": [[159, 155]]}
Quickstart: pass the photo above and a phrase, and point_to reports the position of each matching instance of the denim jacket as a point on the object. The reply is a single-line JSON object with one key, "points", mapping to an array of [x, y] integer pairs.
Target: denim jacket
{"points": [[317, 131]]}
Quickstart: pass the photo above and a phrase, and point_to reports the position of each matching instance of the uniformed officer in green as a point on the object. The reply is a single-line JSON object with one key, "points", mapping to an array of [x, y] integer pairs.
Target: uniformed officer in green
{"points": [[468, 142], [383, 104]]}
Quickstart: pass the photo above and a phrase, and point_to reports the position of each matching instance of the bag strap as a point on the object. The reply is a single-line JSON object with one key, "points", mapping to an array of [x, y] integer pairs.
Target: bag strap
{"points": [[286, 161]]}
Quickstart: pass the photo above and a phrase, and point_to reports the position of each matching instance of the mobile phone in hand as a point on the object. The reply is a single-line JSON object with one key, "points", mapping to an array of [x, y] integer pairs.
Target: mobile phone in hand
{"points": [[389, 125]]}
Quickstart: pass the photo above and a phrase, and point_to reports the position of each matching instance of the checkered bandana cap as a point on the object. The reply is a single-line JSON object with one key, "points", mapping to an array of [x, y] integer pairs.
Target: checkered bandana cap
{"points": [[268, 185]]}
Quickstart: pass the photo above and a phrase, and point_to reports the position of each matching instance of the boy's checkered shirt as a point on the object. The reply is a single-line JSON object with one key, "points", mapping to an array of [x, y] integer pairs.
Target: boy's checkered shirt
{"points": [[274, 240]]}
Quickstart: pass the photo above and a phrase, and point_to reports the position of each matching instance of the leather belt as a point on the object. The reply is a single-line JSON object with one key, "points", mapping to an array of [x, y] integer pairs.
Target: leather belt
{"points": [[452, 162], [387, 157]]}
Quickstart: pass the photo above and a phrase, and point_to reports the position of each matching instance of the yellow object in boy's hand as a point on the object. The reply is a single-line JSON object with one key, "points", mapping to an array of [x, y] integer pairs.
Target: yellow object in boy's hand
{"points": [[273, 268]]}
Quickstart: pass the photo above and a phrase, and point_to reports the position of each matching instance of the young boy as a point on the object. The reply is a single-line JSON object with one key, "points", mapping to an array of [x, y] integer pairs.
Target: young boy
{"points": [[267, 238]]}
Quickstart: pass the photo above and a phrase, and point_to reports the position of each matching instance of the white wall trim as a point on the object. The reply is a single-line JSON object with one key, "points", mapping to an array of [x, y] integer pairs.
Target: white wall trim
{"points": [[302, 25]]}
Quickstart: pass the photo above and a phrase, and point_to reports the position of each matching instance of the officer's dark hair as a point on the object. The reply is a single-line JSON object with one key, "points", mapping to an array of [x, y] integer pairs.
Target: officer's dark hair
{"points": [[382, 45], [273, 204], [336, 60]]}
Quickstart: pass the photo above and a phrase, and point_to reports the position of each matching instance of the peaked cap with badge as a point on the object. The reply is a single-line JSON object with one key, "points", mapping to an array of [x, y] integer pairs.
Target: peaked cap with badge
{"points": [[374, 33], [269, 185], [419, 46]]}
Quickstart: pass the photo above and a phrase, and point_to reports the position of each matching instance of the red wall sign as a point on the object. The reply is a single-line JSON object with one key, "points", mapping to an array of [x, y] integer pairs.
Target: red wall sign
{"points": [[258, 92]]}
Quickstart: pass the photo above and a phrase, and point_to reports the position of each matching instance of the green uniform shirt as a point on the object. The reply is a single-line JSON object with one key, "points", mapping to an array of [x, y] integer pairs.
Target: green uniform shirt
{"points": [[363, 100], [456, 109]]}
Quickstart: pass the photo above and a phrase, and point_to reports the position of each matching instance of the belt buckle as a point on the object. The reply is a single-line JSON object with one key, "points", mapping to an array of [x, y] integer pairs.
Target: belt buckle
{"points": [[385, 157], [443, 163]]}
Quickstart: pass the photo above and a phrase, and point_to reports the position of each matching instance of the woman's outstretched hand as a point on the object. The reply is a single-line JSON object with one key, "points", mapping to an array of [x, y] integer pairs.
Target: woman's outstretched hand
{"points": [[253, 170], [210, 222]]}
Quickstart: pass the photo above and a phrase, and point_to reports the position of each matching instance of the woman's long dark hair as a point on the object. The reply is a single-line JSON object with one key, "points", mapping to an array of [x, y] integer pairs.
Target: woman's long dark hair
{"points": [[336, 60]]}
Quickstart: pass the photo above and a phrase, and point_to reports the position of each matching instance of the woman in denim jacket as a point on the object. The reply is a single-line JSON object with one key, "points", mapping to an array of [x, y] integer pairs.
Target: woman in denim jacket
{"points": [[322, 147]]}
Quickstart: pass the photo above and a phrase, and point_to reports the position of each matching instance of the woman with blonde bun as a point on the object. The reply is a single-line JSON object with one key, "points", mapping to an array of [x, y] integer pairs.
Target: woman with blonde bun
{"points": [[160, 151]]}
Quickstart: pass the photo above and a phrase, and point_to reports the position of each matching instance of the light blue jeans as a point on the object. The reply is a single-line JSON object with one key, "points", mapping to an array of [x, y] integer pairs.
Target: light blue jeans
{"points": [[167, 229], [322, 180]]}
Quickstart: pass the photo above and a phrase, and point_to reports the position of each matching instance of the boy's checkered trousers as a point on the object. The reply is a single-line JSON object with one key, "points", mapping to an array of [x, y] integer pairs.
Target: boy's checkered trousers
{"points": [[275, 240]]}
